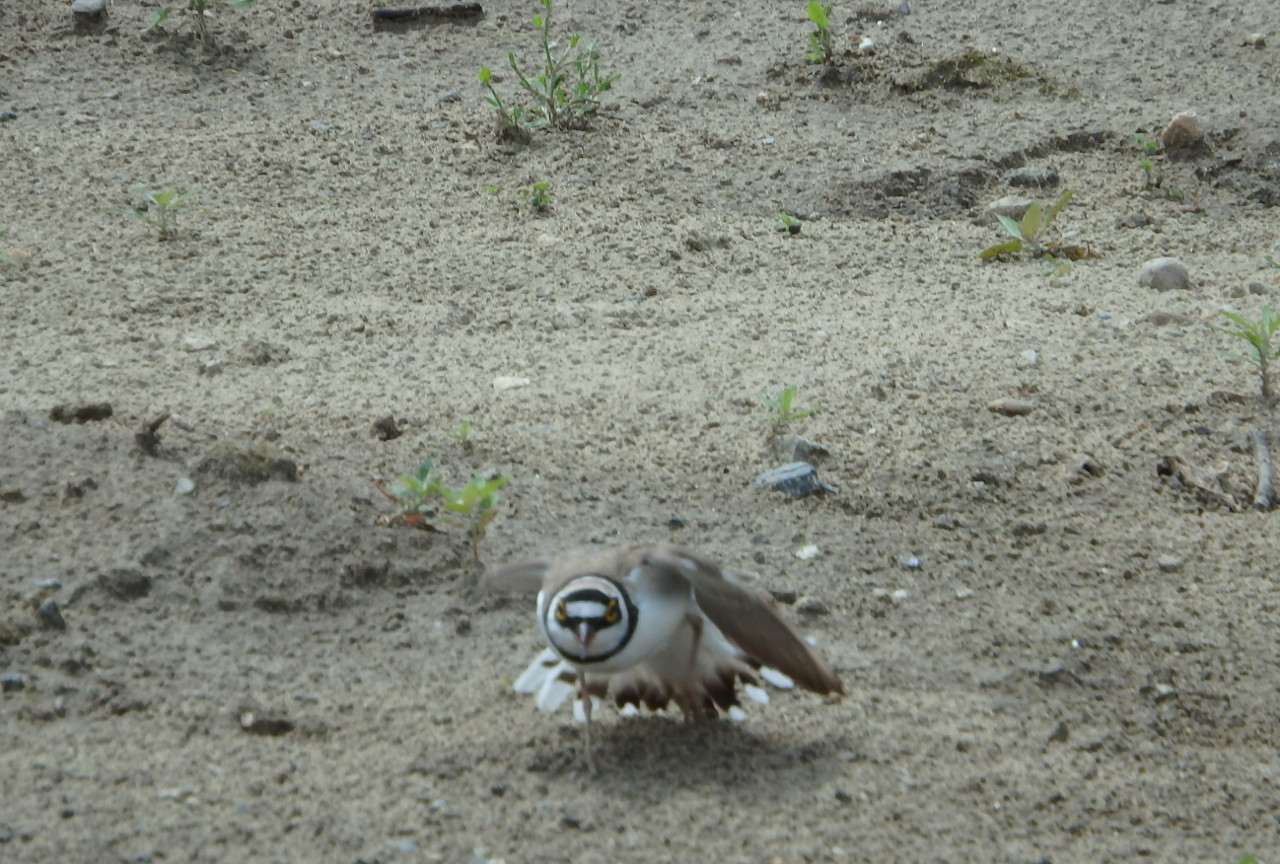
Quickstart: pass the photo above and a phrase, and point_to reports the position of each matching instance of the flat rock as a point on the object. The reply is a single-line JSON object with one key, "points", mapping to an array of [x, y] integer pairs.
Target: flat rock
{"points": [[1012, 206], [1164, 274], [89, 7]]}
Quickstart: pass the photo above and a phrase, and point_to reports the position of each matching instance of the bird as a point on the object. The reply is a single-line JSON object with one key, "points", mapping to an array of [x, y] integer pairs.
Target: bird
{"points": [[654, 625]]}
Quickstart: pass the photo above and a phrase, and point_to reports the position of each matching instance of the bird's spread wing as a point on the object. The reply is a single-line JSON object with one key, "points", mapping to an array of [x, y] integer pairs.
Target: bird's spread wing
{"points": [[747, 618], [517, 577]]}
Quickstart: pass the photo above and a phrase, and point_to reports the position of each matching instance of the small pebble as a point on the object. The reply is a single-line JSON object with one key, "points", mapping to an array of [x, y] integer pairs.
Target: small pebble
{"points": [[1164, 274], [809, 605], [1184, 132], [1031, 177], [808, 553], [11, 682], [1170, 563], [1011, 407], [796, 479], [1256, 40], [1012, 206], [450, 96], [509, 382], [7, 115], [89, 7], [50, 616], [184, 486], [911, 562], [1028, 359]]}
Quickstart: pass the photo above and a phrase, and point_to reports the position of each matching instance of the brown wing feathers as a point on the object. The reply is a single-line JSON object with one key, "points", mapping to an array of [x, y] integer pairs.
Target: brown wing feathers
{"points": [[747, 618]]}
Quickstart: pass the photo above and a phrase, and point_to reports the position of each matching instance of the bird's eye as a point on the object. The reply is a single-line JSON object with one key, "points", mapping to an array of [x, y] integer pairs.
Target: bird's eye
{"points": [[562, 614], [611, 612]]}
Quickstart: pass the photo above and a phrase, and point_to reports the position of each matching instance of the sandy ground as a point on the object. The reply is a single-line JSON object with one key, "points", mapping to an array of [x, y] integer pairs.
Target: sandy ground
{"points": [[1058, 629]]}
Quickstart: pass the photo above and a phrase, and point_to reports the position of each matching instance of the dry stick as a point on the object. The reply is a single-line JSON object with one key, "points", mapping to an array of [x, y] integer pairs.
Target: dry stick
{"points": [[1265, 496], [409, 13]]}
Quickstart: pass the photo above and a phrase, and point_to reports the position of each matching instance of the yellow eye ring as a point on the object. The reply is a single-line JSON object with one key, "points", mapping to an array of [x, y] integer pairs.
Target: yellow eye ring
{"points": [[611, 613], [562, 614]]}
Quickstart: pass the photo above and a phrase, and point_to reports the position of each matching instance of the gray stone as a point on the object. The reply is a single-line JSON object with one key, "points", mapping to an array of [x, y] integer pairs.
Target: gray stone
{"points": [[796, 448], [1013, 206], [797, 480], [89, 7], [809, 605], [1164, 274]]}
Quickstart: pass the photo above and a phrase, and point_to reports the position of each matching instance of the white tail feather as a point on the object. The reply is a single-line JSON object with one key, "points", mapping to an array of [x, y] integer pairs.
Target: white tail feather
{"points": [[776, 678]]}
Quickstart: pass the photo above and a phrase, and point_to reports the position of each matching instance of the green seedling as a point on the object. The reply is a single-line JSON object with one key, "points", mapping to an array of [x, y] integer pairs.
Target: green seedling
{"points": [[567, 90], [6, 260], [425, 502], [821, 44], [161, 209], [462, 432], [538, 196], [1055, 267], [783, 407], [201, 9], [1028, 236], [1150, 146], [475, 505], [788, 223], [1258, 334]]}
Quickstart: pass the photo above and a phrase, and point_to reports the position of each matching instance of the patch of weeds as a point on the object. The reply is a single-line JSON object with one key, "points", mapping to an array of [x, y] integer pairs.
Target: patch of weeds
{"points": [[538, 197], [972, 69], [1027, 234], [1151, 179], [6, 260], [565, 94], [200, 8], [821, 43], [426, 502], [1259, 335], [788, 223], [161, 209], [784, 409]]}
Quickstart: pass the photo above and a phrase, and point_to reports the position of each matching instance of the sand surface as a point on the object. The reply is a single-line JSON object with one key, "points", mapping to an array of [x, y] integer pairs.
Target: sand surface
{"points": [[1057, 629]]}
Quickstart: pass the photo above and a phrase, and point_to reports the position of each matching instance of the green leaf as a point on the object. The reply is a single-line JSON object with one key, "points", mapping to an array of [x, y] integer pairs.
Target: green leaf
{"points": [[1010, 225], [156, 18], [1009, 247], [817, 14], [485, 74], [1057, 207], [1031, 222]]}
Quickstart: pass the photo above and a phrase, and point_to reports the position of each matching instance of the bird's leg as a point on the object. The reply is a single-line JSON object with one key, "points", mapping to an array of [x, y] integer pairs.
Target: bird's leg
{"points": [[586, 710]]}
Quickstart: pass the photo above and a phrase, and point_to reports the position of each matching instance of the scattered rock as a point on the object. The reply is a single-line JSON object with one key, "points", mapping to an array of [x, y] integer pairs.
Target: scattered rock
{"points": [[509, 382], [8, 115], [910, 562], [1184, 133], [125, 583], [1011, 407], [148, 435], [1060, 733], [809, 605], [1134, 220], [1256, 40], [385, 428], [184, 486], [1031, 177], [808, 553], [262, 723], [1028, 359], [1012, 206], [1164, 274], [89, 7], [796, 479], [84, 412], [450, 96], [49, 616], [796, 448], [1170, 563], [12, 682], [246, 467]]}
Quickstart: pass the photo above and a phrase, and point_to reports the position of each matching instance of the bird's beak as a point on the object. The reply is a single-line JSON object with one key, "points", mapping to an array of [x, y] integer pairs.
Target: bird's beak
{"points": [[585, 635]]}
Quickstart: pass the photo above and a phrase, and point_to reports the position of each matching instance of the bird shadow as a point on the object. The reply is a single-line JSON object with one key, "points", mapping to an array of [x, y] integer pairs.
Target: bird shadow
{"points": [[656, 752]]}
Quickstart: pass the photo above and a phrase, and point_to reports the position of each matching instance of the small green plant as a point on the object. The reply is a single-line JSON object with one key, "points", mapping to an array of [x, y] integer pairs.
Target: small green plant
{"points": [[426, 502], [1271, 259], [788, 223], [200, 8], [462, 432], [161, 209], [6, 260], [1150, 146], [1258, 334], [783, 407], [1056, 267], [1027, 232], [565, 93], [821, 44], [538, 196]]}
